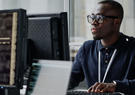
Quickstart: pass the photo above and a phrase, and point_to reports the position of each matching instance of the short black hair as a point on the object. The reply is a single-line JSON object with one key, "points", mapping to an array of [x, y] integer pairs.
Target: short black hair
{"points": [[114, 5]]}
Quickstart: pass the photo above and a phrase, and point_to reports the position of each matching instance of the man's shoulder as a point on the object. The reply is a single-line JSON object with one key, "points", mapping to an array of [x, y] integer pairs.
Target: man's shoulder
{"points": [[84, 49], [128, 42], [88, 44], [129, 39]]}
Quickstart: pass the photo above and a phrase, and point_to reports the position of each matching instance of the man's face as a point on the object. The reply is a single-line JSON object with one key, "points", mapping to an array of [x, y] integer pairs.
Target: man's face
{"points": [[103, 30]]}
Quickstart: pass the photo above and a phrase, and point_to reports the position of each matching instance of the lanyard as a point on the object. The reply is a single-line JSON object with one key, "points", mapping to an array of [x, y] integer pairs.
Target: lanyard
{"points": [[108, 66]]}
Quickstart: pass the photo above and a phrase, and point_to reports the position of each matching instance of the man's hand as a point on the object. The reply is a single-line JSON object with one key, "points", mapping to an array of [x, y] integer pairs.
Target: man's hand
{"points": [[102, 87]]}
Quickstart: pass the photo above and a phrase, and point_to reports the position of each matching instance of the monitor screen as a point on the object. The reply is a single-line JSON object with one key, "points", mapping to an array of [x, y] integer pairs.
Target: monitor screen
{"points": [[48, 36]]}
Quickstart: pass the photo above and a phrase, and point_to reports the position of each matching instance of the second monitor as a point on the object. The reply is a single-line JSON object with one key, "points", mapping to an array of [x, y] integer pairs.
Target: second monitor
{"points": [[48, 36]]}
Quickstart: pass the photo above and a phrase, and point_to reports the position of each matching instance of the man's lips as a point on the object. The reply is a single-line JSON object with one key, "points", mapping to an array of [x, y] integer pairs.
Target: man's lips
{"points": [[93, 30]]}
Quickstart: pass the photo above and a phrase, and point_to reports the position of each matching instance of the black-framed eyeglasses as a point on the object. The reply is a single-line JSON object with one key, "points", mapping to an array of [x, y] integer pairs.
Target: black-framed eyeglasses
{"points": [[98, 18]]}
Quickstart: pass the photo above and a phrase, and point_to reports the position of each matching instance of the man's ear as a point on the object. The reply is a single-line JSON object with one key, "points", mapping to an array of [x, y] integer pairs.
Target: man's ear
{"points": [[117, 21]]}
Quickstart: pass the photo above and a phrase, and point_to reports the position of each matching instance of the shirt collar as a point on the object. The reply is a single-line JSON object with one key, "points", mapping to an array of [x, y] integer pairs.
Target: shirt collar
{"points": [[121, 42], [99, 45]]}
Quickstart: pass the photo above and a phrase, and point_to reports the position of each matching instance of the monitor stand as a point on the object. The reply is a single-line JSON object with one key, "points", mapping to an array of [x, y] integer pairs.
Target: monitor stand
{"points": [[10, 91]]}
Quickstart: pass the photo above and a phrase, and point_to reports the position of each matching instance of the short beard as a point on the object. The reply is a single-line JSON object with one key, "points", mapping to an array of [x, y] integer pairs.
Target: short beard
{"points": [[97, 38]]}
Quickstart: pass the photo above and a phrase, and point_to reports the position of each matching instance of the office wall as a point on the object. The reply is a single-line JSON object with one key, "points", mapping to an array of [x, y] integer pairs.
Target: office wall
{"points": [[36, 6], [128, 24]]}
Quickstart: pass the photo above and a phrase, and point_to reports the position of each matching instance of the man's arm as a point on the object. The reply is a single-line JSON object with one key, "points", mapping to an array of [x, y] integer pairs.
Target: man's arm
{"points": [[77, 74], [126, 86]]}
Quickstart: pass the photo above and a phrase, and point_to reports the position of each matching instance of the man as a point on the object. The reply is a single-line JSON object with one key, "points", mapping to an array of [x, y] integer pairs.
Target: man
{"points": [[107, 62]]}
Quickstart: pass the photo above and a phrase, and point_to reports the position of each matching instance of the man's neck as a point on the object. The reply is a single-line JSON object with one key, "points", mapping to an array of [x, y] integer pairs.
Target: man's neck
{"points": [[110, 40]]}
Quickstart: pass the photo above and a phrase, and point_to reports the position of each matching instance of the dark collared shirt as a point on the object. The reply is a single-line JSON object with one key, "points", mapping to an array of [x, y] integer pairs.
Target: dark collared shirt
{"points": [[122, 69]]}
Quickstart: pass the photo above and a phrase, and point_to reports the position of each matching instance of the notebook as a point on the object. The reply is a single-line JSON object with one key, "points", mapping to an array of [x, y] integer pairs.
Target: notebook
{"points": [[53, 77]]}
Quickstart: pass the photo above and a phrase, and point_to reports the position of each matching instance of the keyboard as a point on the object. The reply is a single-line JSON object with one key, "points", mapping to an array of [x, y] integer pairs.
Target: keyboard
{"points": [[84, 92], [33, 76]]}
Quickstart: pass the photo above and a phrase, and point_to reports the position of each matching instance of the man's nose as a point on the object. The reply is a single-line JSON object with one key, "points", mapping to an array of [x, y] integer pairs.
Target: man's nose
{"points": [[94, 22]]}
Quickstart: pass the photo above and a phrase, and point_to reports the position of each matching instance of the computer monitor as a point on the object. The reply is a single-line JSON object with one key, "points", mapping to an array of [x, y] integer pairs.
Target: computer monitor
{"points": [[48, 36], [13, 34]]}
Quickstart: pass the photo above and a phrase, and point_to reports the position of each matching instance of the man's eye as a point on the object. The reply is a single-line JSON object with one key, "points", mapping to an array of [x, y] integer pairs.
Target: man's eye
{"points": [[92, 16], [98, 17]]}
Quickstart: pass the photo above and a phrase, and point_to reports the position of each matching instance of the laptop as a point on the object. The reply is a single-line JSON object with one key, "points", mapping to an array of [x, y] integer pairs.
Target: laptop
{"points": [[53, 77]]}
